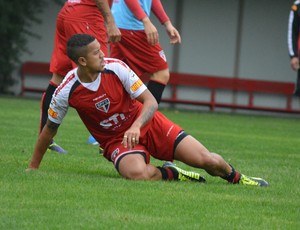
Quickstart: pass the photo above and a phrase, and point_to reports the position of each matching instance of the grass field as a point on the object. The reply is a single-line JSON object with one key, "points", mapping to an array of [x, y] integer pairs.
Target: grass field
{"points": [[81, 190]]}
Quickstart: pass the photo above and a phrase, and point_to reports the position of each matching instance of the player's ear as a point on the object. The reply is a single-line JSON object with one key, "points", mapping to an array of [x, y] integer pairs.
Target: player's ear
{"points": [[82, 61]]}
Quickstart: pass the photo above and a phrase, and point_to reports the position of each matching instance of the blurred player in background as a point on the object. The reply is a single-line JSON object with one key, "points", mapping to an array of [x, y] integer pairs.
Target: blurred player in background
{"points": [[121, 113], [139, 47], [76, 16], [294, 41]]}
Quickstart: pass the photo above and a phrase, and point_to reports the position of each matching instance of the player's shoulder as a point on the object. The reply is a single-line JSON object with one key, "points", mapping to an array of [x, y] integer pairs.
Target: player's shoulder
{"points": [[64, 88], [111, 63]]}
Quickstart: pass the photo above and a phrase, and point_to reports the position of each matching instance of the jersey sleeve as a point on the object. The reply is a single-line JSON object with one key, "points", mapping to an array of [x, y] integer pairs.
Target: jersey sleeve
{"points": [[158, 9], [293, 31], [136, 9], [59, 106]]}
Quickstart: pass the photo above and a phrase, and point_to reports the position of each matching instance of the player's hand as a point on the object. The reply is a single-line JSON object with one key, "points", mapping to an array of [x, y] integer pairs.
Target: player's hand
{"points": [[113, 33], [150, 31], [173, 33], [295, 63], [131, 138]]}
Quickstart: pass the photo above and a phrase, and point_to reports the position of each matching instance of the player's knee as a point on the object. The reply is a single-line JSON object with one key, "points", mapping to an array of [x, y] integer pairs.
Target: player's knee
{"points": [[138, 173], [162, 76]]}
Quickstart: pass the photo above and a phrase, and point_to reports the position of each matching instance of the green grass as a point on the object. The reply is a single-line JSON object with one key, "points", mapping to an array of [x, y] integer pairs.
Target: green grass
{"points": [[82, 190]]}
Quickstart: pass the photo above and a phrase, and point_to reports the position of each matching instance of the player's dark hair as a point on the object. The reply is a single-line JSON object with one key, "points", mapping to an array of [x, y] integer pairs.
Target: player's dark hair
{"points": [[76, 45]]}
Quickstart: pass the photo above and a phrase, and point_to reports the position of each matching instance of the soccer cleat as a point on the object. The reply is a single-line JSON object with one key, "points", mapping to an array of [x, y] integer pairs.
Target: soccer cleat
{"points": [[92, 141], [56, 148], [184, 175], [247, 180]]}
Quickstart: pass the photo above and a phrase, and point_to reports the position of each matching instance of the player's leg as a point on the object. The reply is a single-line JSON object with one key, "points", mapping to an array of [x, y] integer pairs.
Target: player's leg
{"points": [[157, 83], [134, 167], [143, 58], [160, 74], [135, 164], [193, 153], [297, 85]]}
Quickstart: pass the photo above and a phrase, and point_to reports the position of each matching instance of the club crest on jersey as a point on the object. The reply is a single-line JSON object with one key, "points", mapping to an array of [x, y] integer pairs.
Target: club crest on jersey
{"points": [[103, 105], [162, 55]]}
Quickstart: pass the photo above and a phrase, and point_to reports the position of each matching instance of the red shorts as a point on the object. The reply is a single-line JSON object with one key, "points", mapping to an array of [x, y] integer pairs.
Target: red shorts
{"points": [[72, 20], [136, 52], [158, 141]]}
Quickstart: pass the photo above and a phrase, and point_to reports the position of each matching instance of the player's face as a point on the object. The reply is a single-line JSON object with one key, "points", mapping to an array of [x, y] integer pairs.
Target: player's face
{"points": [[95, 57]]}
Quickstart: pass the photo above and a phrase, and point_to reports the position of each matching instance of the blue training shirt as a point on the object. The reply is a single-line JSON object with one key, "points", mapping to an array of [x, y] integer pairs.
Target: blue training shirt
{"points": [[125, 19]]}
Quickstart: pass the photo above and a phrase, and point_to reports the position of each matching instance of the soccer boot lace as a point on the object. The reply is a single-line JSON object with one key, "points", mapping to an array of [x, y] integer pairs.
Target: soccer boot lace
{"points": [[184, 175], [247, 180], [55, 147]]}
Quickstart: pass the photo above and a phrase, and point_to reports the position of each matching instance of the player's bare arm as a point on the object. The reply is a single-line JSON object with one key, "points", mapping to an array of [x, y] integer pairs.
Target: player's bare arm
{"points": [[150, 106], [45, 137], [150, 31], [172, 32], [114, 34], [132, 135]]}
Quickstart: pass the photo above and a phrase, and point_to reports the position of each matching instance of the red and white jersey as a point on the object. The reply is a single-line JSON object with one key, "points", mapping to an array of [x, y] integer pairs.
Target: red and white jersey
{"points": [[106, 106]]}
